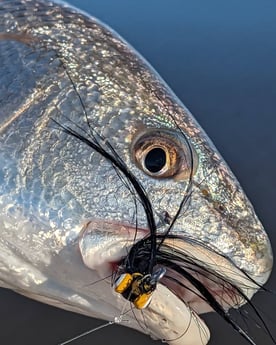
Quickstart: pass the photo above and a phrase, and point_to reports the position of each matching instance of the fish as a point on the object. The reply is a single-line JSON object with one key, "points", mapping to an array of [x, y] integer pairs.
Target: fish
{"points": [[56, 222]]}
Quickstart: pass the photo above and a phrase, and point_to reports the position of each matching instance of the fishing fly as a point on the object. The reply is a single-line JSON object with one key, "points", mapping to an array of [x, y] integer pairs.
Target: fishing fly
{"points": [[137, 287]]}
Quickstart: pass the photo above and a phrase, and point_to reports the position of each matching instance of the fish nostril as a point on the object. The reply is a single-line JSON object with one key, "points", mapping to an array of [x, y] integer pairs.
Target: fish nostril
{"points": [[221, 208], [166, 217], [217, 205], [205, 192]]}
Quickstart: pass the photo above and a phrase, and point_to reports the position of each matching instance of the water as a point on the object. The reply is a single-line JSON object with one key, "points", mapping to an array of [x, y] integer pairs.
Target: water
{"points": [[220, 59]]}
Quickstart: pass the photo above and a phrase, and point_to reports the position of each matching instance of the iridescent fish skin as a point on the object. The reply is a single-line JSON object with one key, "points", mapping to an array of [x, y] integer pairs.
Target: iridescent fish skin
{"points": [[64, 212]]}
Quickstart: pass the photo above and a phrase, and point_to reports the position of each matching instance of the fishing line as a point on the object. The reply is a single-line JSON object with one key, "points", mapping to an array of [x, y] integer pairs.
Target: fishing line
{"points": [[87, 333], [182, 334], [99, 280], [117, 320], [203, 332], [146, 328]]}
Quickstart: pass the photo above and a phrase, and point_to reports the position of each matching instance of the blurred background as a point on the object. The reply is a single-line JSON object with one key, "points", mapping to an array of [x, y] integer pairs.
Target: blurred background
{"points": [[219, 57]]}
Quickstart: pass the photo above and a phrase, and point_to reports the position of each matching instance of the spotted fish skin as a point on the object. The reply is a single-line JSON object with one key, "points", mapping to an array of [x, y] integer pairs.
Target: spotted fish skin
{"points": [[58, 64]]}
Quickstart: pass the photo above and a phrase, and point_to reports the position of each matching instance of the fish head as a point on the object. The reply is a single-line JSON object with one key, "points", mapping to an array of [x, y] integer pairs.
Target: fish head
{"points": [[102, 162]]}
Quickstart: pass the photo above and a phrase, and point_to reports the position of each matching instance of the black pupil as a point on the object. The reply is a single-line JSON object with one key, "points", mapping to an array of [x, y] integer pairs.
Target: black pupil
{"points": [[155, 160]]}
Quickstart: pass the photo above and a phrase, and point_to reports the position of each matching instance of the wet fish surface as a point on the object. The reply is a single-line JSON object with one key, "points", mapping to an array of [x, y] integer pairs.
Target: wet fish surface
{"points": [[61, 222]]}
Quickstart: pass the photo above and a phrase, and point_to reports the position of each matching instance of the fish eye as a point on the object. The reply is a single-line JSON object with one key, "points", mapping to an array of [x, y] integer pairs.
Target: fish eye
{"points": [[163, 153], [155, 159]]}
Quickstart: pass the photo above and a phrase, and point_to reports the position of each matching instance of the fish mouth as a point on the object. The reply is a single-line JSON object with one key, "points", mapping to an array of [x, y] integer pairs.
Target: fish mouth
{"points": [[202, 279], [197, 279]]}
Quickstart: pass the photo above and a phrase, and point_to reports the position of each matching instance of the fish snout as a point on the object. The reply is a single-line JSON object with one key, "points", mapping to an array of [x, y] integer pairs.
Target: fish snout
{"points": [[221, 223]]}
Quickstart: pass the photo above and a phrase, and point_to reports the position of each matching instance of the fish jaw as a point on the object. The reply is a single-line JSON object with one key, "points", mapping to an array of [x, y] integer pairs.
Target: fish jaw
{"points": [[104, 245]]}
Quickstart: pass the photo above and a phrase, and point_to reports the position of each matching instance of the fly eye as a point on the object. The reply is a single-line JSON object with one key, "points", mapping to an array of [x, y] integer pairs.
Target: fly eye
{"points": [[163, 153]]}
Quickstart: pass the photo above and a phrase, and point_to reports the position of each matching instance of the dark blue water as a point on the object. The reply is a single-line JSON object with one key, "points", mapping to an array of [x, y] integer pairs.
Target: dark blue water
{"points": [[220, 59]]}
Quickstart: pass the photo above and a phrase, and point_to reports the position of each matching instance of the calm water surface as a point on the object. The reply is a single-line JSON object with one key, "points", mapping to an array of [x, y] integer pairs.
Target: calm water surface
{"points": [[220, 59]]}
